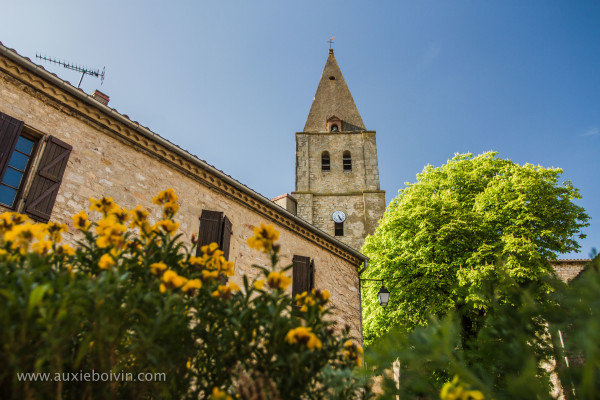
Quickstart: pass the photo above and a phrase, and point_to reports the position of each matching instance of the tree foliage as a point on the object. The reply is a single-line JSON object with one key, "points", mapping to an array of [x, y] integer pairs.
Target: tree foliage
{"points": [[526, 349], [460, 227]]}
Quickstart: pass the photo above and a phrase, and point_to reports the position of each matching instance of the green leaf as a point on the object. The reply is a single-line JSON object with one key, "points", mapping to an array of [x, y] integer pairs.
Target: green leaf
{"points": [[35, 297]]}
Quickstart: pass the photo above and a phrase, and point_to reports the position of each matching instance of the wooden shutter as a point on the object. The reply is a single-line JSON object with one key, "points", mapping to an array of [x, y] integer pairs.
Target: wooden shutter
{"points": [[311, 279], [226, 237], [10, 129], [211, 225], [48, 177], [300, 275]]}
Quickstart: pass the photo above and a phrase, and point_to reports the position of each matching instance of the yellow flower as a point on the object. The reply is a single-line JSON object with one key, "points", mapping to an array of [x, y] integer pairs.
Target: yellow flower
{"points": [[166, 196], [105, 205], [66, 250], [456, 390], [259, 284], [170, 209], [300, 296], [139, 214], [55, 229], [323, 295], [211, 250], [213, 262], [22, 235], [166, 225], [206, 274], [10, 219], [277, 280], [304, 336], [157, 268], [264, 238], [353, 352], [121, 215], [106, 262], [81, 221], [196, 261], [110, 233], [191, 286], [225, 291], [42, 247], [220, 395], [316, 297], [171, 280]]}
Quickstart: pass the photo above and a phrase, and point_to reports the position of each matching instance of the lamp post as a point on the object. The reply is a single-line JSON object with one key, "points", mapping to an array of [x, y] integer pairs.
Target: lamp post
{"points": [[384, 295]]}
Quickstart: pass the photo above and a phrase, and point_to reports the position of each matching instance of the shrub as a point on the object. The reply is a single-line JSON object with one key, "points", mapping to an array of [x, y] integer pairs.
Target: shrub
{"points": [[131, 298], [523, 341]]}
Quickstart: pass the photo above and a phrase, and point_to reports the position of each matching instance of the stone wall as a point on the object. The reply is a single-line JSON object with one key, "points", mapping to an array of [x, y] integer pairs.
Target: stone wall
{"points": [[365, 169], [110, 158], [356, 192], [569, 269]]}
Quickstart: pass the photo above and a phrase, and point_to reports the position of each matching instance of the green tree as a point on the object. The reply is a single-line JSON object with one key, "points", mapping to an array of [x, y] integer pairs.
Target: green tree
{"points": [[524, 345], [460, 227]]}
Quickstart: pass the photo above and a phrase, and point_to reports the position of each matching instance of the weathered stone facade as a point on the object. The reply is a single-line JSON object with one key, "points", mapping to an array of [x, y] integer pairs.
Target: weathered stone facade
{"points": [[114, 156], [351, 185], [567, 270]]}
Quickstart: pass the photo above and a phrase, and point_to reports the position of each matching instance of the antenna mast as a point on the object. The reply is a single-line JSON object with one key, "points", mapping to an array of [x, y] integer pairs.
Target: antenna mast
{"points": [[84, 71]]}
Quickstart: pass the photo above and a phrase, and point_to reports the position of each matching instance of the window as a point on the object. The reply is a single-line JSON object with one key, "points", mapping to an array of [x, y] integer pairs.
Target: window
{"points": [[303, 275], [13, 178], [347, 161], [325, 162], [334, 128], [339, 228], [19, 151], [215, 228]]}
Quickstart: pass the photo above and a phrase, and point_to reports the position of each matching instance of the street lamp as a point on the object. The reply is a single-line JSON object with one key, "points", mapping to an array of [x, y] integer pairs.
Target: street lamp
{"points": [[384, 295]]}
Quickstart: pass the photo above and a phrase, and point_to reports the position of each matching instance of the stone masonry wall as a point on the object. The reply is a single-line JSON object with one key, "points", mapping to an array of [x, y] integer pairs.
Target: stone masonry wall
{"points": [[355, 192], [310, 177], [568, 269], [103, 164]]}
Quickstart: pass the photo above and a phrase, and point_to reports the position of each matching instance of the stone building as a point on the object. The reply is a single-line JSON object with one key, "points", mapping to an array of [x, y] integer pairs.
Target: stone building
{"points": [[337, 174], [60, 146]]}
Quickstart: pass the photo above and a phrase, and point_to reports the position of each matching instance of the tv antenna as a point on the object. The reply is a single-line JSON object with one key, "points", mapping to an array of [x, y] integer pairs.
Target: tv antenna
{"points": [[84, 71]]}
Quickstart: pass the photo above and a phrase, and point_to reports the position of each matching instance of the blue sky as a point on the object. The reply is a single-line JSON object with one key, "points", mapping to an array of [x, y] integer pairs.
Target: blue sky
{"points": [[232, 81]]}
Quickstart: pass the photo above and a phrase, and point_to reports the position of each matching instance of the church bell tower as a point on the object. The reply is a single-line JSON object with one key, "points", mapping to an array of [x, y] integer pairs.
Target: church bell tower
{"points": [[337, 175]]}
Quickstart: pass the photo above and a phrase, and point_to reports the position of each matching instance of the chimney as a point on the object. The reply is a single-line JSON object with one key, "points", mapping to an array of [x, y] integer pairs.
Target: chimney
{"points": [[100, 97], [288, 202]]}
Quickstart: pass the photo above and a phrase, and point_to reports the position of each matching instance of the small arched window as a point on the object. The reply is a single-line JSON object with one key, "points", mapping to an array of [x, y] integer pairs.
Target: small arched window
{"points": [[325, 162], [347, 161], [334, 128]]}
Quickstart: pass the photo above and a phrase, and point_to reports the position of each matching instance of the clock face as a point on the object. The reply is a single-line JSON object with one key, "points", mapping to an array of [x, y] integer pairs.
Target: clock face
{"points": [[338, 216]]}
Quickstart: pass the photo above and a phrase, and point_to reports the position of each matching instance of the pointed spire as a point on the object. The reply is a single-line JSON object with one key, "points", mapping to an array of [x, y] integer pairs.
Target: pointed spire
{"points": [[333, 98]]}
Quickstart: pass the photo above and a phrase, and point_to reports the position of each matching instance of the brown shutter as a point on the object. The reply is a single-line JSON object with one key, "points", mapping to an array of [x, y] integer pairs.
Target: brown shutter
{"points": [[300, 275], [210, 228], [311, 281], [48, 177], [10, 129], [226, 237]]}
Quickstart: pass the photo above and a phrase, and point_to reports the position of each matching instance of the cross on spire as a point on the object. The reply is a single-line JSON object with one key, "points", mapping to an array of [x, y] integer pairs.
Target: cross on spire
{"points": [[331, 41]]}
